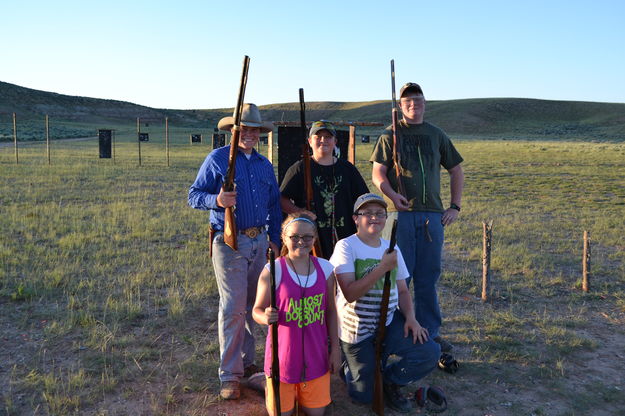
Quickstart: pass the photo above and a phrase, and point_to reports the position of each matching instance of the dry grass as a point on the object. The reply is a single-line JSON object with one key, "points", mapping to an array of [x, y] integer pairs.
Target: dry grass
{"points": [[108, 305]]}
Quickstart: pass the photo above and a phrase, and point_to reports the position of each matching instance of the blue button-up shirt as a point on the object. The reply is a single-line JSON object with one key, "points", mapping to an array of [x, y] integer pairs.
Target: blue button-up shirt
{"points": [[258, 197]]}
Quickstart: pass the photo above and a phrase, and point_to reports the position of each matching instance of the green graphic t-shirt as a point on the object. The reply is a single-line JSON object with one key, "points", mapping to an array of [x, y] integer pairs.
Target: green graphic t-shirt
{"points": [[423, 149], [335, 189]]}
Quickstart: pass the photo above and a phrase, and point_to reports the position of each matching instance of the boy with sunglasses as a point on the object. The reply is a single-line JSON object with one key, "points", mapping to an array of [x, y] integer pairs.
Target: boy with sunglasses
{"points": [[360, 262]]}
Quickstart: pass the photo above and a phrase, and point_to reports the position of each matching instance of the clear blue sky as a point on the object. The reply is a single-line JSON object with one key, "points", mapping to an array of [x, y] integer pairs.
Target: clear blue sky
{"points": [[188, 54]]}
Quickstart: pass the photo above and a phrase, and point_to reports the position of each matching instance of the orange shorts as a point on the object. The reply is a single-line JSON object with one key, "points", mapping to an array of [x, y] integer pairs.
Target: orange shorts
{"points": [[311, 394]]}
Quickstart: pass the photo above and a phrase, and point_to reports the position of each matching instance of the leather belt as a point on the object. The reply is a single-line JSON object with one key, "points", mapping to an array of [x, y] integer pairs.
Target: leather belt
{"points": [[252, 232]]}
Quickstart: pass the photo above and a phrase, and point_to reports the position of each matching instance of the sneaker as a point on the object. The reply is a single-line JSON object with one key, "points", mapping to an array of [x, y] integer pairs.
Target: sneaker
{"points": [[343, 371], [448, 363], [230, 390], [251, 369], [394, 399], [445, 346]]}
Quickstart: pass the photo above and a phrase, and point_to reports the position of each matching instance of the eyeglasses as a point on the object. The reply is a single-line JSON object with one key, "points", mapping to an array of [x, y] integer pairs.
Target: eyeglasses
{"points": [[306, 238], [377, 214]]}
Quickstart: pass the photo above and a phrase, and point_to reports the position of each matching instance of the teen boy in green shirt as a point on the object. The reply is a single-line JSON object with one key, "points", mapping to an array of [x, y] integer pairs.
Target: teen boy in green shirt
{"points": [[421, 217]]}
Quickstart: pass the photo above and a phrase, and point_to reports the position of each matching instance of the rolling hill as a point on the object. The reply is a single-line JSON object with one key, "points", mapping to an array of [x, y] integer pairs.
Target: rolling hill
{"points": [[512, 118]]}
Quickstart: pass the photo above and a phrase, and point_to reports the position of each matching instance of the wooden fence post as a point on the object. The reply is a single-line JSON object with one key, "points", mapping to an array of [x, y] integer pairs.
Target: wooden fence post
{"points": [[167, 139], [487, 235], [351, 149], [586, 263], [139, 139], [113, 146], [270, 147], [48, 139], [17, 161]]}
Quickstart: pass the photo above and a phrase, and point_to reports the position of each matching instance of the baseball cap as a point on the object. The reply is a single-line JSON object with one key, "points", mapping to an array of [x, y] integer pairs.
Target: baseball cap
{"points": [[367, 198], [321, 125], [410, 86]]}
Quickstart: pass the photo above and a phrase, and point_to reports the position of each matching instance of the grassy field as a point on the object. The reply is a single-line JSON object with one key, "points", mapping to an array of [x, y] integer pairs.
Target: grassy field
{"points": [[108, 305]]}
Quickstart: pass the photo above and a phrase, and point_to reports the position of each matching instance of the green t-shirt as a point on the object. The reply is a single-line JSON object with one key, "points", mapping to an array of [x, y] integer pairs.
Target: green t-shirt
{"points": [[423, 149]]}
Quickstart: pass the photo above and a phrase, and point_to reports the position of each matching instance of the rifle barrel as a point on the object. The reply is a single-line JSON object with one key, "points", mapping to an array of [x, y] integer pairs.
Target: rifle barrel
{"points": [[242, 86], [394, 116], [302, 113], [394, 103], [378, 391], [230, 227], [308, 188], [275, 361]]}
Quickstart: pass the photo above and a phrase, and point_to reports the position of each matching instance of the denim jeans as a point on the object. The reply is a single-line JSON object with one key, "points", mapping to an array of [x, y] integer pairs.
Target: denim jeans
{"points": [[402, 361], [421, 247], [237, 274]]}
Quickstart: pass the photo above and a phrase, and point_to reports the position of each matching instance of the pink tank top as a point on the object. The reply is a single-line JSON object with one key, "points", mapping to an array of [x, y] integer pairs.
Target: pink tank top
{"points": [[302, 328]]}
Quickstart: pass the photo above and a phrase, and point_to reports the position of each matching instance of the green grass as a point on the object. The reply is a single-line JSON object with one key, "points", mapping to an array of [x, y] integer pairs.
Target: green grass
{"points": [[107, 293]]}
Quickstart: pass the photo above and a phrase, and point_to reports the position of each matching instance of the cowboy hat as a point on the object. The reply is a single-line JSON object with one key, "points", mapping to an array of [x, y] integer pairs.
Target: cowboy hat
{"points": [[250, 117]]}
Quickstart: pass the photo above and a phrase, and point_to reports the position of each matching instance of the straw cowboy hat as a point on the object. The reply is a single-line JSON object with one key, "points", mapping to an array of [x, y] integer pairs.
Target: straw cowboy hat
{"points": [[250, 117]]}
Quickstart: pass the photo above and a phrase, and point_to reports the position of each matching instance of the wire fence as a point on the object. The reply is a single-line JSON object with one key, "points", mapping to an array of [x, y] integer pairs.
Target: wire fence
{"points": [[144, 141]]}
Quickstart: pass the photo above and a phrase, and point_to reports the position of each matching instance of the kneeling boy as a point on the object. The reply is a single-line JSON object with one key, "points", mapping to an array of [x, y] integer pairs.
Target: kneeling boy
{"points": [[360, 262]]}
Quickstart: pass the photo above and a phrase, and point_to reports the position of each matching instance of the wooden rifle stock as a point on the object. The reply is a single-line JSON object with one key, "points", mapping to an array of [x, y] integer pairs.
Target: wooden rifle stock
{"points": [[396, 155], [230, 226], [308, 188], [275, 361], [378, 390]]}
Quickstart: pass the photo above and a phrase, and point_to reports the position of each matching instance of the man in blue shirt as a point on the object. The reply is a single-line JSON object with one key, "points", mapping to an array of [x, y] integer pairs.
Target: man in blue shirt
{"points": [[257, 210]]}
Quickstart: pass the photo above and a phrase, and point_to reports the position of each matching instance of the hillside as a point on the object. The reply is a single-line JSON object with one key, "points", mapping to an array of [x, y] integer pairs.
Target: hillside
{"points": [[486, 117], [498, 117], [29, 103]]}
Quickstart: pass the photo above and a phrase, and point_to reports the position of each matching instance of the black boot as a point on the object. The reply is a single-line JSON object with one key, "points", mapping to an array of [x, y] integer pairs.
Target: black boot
{"points": [[394, 399]]}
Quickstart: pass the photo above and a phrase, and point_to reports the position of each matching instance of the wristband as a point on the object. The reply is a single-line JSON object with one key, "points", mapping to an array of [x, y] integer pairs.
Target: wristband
{"points": [[454, 206]]}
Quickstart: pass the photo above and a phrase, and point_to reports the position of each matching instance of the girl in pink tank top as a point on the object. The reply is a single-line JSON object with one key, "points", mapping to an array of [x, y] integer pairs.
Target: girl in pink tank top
{"points": [[306, 318]]}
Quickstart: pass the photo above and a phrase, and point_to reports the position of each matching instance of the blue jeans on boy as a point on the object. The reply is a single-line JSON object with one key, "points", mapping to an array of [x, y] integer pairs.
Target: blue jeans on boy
{"points": [[409, 362], [237, 274], [422, 248]]}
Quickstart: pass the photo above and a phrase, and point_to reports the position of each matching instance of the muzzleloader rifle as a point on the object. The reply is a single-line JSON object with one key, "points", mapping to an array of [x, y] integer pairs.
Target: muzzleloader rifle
{"points": [[378, 390], [396, 154], [230, 226], [275, 362], [308, 188]]}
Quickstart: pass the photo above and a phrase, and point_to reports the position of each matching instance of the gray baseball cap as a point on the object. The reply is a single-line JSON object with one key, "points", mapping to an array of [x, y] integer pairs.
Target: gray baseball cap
{"points": [[367, 198]]}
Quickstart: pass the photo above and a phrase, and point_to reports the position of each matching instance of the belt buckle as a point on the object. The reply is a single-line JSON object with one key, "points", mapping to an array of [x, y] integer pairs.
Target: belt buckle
{"points": [[252, 232]]}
